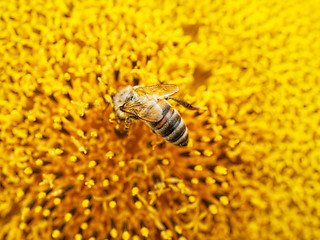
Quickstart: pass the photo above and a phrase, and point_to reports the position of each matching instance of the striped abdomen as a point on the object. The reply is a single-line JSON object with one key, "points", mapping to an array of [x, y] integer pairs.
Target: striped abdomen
{"points": [[171, 127]]}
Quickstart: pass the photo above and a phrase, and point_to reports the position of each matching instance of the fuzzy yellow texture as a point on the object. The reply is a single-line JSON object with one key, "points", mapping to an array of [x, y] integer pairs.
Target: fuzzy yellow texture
{"points": [[251, 170]]}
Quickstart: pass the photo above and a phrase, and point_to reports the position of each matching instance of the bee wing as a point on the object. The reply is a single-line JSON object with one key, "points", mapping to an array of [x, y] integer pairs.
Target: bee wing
{"points": [[157, 91], [146, 110]]}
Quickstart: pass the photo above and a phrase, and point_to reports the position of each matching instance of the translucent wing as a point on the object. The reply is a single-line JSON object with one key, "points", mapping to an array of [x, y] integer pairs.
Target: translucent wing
{"points": [[144, 104], [156, 91], [145, 109]]}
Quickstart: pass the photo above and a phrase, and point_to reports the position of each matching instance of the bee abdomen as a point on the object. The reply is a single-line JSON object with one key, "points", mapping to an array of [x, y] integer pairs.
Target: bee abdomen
{"points": [[174, 129]]}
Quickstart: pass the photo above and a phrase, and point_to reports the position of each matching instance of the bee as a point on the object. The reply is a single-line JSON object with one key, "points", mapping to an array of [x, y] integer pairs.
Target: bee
{"points": [[150, 105]]}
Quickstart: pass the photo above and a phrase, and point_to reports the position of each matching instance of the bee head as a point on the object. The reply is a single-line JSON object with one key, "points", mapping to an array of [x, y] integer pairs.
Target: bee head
{"points": [[123, 96]]}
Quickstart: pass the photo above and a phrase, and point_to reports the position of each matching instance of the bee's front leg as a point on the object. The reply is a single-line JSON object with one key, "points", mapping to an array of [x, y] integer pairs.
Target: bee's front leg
{"points": [[127, 123], [122, 129]]}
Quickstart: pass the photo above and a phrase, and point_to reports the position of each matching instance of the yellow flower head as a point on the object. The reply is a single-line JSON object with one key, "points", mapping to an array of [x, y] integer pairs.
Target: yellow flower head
{"points": [[251, 169]]}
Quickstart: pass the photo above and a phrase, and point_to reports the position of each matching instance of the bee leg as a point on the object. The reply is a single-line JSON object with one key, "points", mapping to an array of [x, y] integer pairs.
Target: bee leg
{"points": [[127, 125], [183, 103], [128, 122], [123, 131]]}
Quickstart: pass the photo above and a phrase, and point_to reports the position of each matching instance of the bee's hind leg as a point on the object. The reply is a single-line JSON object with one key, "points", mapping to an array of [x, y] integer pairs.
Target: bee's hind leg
{"points": [[183, 103]]}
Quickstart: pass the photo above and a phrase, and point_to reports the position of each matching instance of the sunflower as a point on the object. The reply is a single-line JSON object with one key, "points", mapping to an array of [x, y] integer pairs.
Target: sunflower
{"points": [[251, 168]]}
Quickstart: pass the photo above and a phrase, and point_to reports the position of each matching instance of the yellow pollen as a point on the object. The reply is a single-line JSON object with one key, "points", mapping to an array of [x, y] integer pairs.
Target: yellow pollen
{"points": [[133, 57], [181, 185], [196, 153], [57, 119], [178, 229], [105, 183], [125, 235], [92, 238], [28, 171], [87, 211], [81, 112], [94, 134], [46, 212], [57, 126], [109, 155], [73, 158], [198, 168], [225, 185], [37, 209], [20, 193], [16, 115], [85, 203], [22, 225], [114, 233], [205, 139], [92, 164], [57, 201], [207, 153], [22, 133], [63, 111], [58, 151], [138, 204], [78, 236], [38, 135], [233, 143], [135, 237], [55, 233], [220, 170], [144, 232], [194, 180], [67, 76], [80, 177], [165, 162], [115, 178], [230, 122], [112, 91], [182, 238], [67, 217], [213, 209], [192, 199], [167, 234], [112, 116], [39, 162], [218, 138], [224, 200], [135, 191], [112, 204], [108, 98], [210, 180], [121, 163], [84, 226], [24, 211]]}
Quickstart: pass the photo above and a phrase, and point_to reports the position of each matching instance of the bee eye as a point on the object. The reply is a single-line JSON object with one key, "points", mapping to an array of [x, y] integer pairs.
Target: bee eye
{"points": [[121, 108], [129, 98]]}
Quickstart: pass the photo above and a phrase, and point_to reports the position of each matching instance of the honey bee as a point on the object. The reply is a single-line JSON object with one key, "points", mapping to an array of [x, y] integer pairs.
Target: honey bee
{"points": [[150, 105]]}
